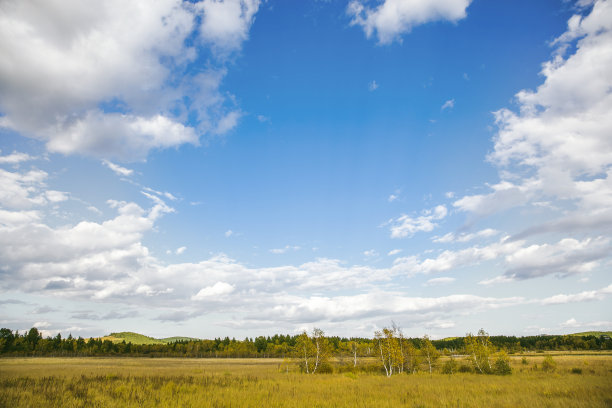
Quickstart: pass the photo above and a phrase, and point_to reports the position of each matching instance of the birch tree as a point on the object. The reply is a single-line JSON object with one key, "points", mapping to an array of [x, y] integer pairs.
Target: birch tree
{"points": [[390, 350], [429, 352], [312, 350], [479, 349]]}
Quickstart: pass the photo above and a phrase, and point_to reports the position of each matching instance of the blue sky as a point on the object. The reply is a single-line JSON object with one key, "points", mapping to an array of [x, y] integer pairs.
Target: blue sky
{"points": [[247, 167]]}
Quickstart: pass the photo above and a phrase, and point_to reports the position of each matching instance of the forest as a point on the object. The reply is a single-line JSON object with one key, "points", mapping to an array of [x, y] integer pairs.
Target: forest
{"points": [[32, 343]]}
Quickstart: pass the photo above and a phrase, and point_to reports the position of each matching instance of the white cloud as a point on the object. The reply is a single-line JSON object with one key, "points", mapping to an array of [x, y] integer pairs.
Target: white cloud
{"points": [[392, 198], [23, 190], [15, 158], [16, 218], [392, 18], [228, 233], [226, 24], [102, 79], [406, 226], [228, 122], [394, 252], [573, 323], [120, 171], [449, 260], [452, 237], [372, 86], [556, 147], [439, 281], [570, 323], [566, 257], [214, 291], [285, 249], [450, 104], [585, 296], [107, 262], [370, 253], [55, 196], [180, 250]]}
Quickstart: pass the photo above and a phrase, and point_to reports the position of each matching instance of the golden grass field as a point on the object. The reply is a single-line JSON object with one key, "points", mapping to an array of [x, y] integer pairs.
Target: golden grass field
{"points": [[147, 382]]}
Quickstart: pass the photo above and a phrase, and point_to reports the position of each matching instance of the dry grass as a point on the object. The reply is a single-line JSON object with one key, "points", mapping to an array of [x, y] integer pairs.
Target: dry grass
{"points": [[140, 382]]}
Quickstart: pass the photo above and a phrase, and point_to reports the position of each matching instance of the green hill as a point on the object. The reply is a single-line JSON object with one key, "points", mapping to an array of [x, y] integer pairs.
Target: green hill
{"points": [[134, 338], [137, 338], [593, 333]]}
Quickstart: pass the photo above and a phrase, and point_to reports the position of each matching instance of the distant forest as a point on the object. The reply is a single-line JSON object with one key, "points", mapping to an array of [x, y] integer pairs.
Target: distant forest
{"points": [[32, 343]]}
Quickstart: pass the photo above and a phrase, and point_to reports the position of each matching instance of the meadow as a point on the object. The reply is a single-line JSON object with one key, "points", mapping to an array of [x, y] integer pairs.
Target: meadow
{"points": [[577, 381]]}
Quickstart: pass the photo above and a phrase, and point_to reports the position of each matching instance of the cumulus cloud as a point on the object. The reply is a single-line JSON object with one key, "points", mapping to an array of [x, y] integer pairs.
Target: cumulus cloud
{"points": [[390, 19], [406, 226], [108, 79], [585, 296], [566, 257], [226, 24], [23, 190], [557, 145], [449, 260], [216, 290], [15, 158]]}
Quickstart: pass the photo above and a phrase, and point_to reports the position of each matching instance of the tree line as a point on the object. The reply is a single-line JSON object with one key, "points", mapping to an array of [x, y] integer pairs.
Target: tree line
{"points": [[396, 352]]}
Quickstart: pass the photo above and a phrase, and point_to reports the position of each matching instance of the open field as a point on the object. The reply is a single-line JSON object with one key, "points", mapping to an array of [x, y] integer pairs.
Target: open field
{"points": [[578, 381]]}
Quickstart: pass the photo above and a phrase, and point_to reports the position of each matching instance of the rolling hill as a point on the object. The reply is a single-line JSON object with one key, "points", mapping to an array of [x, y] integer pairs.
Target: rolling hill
{"points": [[137, 338]]}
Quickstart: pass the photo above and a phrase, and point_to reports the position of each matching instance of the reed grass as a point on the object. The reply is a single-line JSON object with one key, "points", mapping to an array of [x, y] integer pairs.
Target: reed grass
{"points": [[141, 382]]}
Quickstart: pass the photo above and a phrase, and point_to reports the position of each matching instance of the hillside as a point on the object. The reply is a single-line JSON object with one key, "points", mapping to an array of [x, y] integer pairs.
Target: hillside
{"points": [[137, 338], [593, 333], [131, 337]]}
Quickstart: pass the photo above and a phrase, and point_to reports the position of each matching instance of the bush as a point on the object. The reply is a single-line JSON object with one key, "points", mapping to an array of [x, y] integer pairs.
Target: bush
{"points": [[576, 370], [549, 364], [502, 364], [450, 366], [524, 361], [464, 368], [325, 368]]}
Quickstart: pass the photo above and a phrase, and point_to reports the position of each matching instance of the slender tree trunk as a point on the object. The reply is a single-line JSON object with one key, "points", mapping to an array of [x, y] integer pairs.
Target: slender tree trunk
{"points": [[382, 357], [306, 360]]}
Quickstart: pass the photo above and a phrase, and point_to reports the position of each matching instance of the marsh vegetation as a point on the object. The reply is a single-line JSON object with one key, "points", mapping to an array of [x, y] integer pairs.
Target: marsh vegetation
{"points": [[576, 381]]}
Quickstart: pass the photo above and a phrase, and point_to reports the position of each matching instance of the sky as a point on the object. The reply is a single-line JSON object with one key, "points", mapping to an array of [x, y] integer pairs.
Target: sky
{"points": [[248, 167]]}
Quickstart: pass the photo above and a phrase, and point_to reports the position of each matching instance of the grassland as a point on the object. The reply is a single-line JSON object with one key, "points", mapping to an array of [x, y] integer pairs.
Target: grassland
{"points": [[578, 381]]}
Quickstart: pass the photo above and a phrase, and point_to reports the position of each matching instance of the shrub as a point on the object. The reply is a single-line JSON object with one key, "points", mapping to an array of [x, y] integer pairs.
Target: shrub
{"points": [[502, 364], [450, 366], [524, 361], [325, 368], [549, 364], [464, 368], [576, 370]]}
